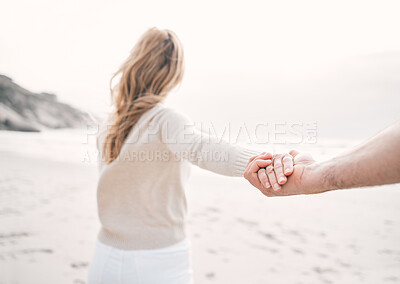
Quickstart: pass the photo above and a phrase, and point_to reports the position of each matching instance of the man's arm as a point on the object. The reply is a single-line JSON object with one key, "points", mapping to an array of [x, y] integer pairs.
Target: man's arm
{"points": [[375, 162]]}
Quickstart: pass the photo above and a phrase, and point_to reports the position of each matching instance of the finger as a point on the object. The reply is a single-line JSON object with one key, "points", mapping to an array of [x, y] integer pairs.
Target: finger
{"points": [[258, 164], [294, 153], [287, 162], [267, 155], [262, 176], [267, 192], [261, 156], [253, 167], [254, 157], [253, 179], [278, 169], [264, 155], [272, 178]]}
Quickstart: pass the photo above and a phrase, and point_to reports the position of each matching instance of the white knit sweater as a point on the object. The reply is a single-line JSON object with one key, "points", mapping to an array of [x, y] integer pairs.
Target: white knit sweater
{"points": [[141, 195]]}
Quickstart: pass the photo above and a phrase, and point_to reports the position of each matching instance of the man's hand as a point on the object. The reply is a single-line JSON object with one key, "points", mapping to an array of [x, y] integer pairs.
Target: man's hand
{"points": [[375, 162], [274, 170], [303, 180]]}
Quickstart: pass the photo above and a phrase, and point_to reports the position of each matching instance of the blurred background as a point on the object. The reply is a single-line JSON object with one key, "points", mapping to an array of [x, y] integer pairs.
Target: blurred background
{"points": [[332, 65]]}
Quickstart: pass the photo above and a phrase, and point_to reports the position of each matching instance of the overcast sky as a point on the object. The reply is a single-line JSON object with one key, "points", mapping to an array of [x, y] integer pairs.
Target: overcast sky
{"points": [[266, 56]]}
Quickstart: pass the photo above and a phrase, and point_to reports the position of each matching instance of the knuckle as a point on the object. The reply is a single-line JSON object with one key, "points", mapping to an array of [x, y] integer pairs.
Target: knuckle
{"points": [[260, 162], [287, 158], [262, 180]]}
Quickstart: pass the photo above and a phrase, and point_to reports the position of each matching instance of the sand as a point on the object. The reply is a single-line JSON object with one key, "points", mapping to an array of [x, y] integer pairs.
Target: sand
{"points": [[48, 222]]}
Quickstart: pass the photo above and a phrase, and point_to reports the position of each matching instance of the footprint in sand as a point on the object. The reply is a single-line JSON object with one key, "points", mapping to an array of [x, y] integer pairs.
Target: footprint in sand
{"points": [[298, 251], [210, 275], [79, 265], [321, 270], [391, 279], [213, 209], [343, 264], [14, 235], [213, 220], [270, 237], [247, 222], [271, 250], [30, 251]]}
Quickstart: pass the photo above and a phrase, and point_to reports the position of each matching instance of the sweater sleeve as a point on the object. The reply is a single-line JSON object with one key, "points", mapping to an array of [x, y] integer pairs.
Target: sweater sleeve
{"points": [[184, 140]]}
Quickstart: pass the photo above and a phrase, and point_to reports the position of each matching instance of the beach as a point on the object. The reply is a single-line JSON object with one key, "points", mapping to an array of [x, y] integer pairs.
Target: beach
{"points": [[49, 223]]}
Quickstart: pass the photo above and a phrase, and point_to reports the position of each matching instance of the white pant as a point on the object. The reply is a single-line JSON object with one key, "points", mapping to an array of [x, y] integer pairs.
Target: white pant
{"points": [[169, 265]]}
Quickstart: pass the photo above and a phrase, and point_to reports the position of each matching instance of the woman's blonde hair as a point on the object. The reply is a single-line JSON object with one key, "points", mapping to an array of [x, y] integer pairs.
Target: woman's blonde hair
{"points": [[153, 68]]}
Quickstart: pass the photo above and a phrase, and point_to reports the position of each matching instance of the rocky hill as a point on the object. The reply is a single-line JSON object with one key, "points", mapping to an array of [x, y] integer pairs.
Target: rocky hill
{"points": [[22, 110]]}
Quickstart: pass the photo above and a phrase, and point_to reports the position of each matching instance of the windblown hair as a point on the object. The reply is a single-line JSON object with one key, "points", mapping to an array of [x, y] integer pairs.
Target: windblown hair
{"points": [[153, 68]]}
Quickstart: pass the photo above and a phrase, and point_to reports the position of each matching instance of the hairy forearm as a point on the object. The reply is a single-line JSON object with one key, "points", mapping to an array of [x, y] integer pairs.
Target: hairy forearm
{"points": [[375, 162]]}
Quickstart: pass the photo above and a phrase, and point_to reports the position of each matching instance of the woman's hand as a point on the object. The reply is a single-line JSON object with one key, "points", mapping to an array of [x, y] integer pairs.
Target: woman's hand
{"points": [[305, 174], [275, 174], [266, 170]]}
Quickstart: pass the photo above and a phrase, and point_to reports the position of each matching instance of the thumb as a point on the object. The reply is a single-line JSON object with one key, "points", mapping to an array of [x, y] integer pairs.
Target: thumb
{"points": [[294, 153]]}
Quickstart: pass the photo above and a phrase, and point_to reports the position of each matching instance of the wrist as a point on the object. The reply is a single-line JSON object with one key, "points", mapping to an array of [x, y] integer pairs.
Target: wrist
{"points": [[314, 178]]}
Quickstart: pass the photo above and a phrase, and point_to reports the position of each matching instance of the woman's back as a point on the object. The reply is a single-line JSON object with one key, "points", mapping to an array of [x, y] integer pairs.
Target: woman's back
{"points": [[141, 194], [141, 199], [145, 159]]}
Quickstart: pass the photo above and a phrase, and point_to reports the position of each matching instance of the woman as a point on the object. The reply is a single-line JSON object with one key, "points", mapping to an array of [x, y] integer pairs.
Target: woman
{"points": [[146, 151]]}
